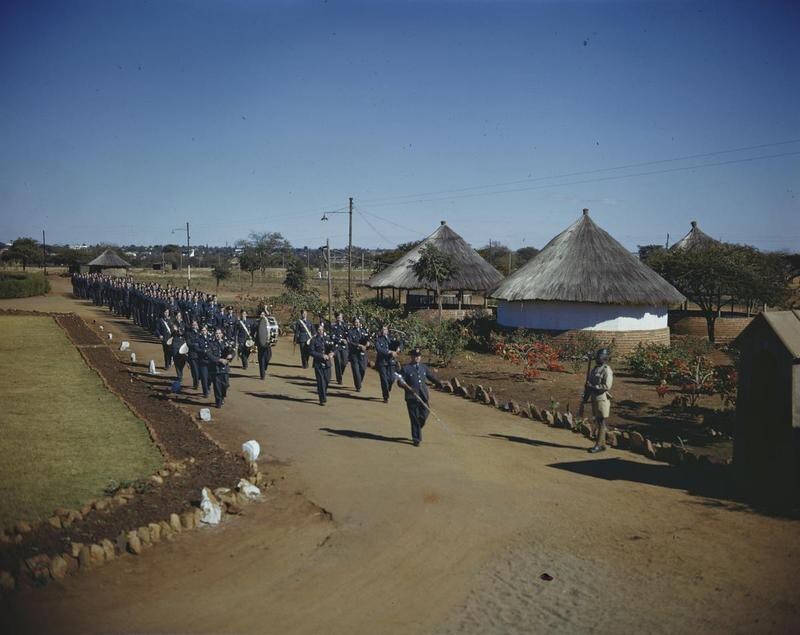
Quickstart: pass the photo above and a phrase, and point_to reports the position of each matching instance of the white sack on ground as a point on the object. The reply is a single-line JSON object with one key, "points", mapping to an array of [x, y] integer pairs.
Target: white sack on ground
{"points": [[205, 414], [251, 450], [133, 358], [111, 336], [152, 368], [124, 346], [212, 512]]}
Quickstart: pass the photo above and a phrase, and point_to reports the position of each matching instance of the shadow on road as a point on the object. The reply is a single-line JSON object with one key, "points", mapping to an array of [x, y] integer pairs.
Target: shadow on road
{"points": [[266, 395], [357, 434], [536, 442], [345, 395], [709, 483]]}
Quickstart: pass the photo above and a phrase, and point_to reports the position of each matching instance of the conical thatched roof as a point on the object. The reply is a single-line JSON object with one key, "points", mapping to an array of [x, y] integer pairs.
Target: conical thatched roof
{"points": [[585, 264], [474, 273], [695, 238], [109, 259]]}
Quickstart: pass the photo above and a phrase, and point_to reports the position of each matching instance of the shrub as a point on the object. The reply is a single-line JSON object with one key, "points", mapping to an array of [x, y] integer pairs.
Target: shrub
{"points": [[22, 285]]}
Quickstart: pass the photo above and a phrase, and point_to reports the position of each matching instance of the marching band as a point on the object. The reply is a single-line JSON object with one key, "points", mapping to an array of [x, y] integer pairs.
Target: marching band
{"points": [[195, 329]]}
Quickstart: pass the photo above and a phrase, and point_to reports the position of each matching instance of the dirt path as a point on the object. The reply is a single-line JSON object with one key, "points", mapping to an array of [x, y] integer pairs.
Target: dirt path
{"points": [[448, 537]]}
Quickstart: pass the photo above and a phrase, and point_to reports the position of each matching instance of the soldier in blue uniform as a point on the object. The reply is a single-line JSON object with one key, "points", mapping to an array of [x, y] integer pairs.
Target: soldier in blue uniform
{"points": [[196, 344], [357, 343], [386, 361], [414, 377], [242, 333], [164, 333], [338, 334], [218, 357], [320, 351], [302, 336]]}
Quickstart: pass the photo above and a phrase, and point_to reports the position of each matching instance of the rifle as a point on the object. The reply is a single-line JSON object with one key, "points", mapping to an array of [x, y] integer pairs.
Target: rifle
{"points": [[587, 392]]}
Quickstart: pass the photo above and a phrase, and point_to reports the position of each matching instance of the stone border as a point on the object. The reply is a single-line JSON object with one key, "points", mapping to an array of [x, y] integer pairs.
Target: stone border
{"points": [[40, 570], [632, 441]]}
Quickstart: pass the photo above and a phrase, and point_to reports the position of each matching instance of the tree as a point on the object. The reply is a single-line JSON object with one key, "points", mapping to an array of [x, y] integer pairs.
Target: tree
{"points": [[386, 258], [220, 272], [270, 247], [435, 266], [496, 255], [645, 251], [249, 262], [295, 275], [24, 250], [524, 255], [716, 275]]}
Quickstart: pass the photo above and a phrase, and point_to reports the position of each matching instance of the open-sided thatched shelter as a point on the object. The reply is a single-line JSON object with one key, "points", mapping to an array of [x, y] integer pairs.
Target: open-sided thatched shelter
{"points": [[474, 273], [694, 239], [110, 264], [583, 279]]}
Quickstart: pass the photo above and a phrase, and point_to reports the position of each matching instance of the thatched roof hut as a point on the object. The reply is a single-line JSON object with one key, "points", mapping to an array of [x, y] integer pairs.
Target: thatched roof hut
{"points": [[584, 279], [474, 273], [109, 263], [694, 239]]}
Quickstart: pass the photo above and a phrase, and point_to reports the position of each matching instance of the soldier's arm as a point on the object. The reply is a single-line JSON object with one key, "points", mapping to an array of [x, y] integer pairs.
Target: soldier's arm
{"points": [[432, 378]]}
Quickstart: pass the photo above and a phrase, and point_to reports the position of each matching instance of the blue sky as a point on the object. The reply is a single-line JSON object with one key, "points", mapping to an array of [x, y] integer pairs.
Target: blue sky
{"points": [[120, 121]]}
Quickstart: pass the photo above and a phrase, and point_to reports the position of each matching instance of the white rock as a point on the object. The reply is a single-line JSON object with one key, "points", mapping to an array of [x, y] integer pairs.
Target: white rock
{"points": [[124, 346], [248, 489], [251, 450], [212, 512], [102, 328], [133, 358], [111, 336], [205, 414], [152, 367]]}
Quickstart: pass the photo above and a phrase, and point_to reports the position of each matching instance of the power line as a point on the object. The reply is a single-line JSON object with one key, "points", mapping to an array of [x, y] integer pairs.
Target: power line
{"points": [[595, 180], [583, 172], [367, 221], [416, 232]]}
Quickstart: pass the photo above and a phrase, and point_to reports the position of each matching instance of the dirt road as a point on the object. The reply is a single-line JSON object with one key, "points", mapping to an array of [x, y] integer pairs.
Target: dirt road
{"points": [[449, 537]]}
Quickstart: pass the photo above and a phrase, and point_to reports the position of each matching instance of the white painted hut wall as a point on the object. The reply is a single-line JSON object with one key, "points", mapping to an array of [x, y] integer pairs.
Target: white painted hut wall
{"points": [[564, 316]]}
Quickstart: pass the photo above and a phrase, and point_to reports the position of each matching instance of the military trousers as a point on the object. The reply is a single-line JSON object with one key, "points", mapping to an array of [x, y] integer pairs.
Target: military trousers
{"points": [[386, 374], [418, 415], [358, 364], [322, 375], [264, 356], [339, 363]]}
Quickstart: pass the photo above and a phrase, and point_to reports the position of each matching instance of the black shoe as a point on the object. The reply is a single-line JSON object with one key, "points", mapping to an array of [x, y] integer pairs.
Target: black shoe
{"points": [[416, 443], [386, 400], [597, 448], [262, 376]]}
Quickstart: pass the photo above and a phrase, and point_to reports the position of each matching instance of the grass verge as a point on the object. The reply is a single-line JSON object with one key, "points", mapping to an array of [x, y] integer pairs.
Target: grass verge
{"points": [[63, 436]]}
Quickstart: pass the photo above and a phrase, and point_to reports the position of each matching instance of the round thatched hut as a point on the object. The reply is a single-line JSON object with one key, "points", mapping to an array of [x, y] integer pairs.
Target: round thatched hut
{"points": [[584, 280], [474, 274], [110, 264], [694, 239]]}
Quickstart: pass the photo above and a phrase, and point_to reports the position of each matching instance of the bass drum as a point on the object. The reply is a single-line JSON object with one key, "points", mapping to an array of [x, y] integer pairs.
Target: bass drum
{"points": [[267, 332]]}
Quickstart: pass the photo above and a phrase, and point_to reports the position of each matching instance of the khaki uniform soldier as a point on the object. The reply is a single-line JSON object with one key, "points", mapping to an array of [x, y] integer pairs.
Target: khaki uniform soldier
{"points": [[598, 385]]}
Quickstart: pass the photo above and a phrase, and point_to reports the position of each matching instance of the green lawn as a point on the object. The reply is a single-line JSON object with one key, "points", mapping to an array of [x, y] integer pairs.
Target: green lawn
{"points": [[63, 436]]}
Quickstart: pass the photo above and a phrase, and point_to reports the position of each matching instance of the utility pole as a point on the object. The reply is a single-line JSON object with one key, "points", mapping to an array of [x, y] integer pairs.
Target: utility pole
{"points": [[362, 267], [330, 280], [44, 254], [509, 261], [350, 256], [188, 253]]}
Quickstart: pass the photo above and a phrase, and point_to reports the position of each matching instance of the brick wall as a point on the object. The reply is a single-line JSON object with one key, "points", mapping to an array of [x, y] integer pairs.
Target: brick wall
{"points": [[726, 329]]}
